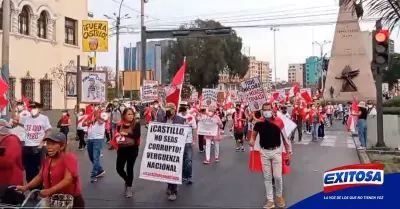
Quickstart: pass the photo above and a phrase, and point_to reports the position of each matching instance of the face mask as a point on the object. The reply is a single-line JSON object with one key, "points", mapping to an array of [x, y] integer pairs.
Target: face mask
{"points": [[267, 114], [64, 114], [34, 112], [156, 106], [168, 113], [96, 108], [80, 113], [20, 107], [210, 114], [370, 106]]}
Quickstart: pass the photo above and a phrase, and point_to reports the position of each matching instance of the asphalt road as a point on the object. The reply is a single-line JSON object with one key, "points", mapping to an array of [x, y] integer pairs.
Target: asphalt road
{"points": [[228, 183]]}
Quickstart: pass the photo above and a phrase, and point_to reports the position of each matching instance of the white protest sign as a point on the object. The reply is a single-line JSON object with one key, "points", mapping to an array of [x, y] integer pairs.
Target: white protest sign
{"points": [[254, 93], [207, 126], [209, 98], [163, 154], [150, 91], [289, 124]]}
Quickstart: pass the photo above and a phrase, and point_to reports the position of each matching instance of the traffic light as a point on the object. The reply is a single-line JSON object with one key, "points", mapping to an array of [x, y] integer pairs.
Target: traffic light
{"points": [[381, 48]]}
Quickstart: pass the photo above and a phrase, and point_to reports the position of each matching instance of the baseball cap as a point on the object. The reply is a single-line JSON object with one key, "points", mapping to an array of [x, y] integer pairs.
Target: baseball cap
{"points": [[58, 137], [170, 106]]}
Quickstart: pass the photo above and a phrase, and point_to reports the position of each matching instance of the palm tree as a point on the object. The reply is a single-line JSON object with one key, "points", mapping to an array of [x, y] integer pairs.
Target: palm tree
{"points": [[388, 10]]}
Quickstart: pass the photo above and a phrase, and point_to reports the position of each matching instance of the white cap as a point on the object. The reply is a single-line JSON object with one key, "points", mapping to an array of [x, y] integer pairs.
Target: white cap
{"points": [[104, 116]]}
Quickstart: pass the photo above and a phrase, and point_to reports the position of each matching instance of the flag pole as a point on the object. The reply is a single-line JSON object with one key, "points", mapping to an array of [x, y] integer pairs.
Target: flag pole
{"points": [[180, 89]]}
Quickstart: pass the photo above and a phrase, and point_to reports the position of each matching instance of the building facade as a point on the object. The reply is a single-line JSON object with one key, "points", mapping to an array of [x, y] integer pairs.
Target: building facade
{"points": [[45, 40], [295, 73], [154, 52], [259, 69], [313, 70]]}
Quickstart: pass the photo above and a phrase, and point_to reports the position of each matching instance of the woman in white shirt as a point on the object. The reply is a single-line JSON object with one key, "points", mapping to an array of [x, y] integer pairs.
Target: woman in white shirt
{"points": [[81, 130], [96, 135], [37, 128]]}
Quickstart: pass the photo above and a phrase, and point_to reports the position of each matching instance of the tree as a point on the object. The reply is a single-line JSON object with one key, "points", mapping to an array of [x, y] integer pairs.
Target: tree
{"points": [[393, 73], [389, 10], [206, 57]]}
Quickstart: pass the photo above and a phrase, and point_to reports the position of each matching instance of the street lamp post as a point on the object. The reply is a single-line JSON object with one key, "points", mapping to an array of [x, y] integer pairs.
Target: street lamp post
{"points": [[117, 19], [143, 43], [274, 29], [321, 48]]}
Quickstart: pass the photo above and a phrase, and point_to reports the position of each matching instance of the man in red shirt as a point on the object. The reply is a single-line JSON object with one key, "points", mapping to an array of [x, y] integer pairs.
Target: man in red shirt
{"points": [[11, 169]]}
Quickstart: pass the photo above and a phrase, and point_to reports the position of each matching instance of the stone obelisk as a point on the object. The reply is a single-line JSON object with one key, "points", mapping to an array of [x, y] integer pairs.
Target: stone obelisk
{"points": [[349, 72]]}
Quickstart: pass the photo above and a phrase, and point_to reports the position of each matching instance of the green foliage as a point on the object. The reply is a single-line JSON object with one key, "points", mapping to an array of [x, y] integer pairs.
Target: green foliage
{"points": [[393, 73], [391, 110], [206, 57], [110, 94], [395, 102], [387, 9], [135, 94]]}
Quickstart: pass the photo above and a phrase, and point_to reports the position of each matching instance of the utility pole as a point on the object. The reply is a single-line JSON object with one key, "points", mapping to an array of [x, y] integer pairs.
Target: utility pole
{"points": [[117, 19], [143, 44], [321, 49], [130, 67], [5, 57], [274, 29], [381, 56]]}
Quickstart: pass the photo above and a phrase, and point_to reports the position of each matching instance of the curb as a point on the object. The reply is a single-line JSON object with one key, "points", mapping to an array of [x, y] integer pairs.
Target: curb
{"points": [[362, 154]]}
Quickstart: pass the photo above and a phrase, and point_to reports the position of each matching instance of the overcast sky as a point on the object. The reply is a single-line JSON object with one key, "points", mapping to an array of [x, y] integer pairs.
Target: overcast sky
{"points": [[293, 40]]}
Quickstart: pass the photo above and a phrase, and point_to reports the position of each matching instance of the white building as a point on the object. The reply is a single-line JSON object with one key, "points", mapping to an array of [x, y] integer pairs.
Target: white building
{"points": [[45, 41], [295, 73]]}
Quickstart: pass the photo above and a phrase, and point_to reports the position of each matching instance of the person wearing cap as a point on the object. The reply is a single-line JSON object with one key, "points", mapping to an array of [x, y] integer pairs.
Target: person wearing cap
{"points": [[190, 142], [95, 140], [157, 113], [64, 122], [37, 128], [59, 172], [362, 115], [11, 168], [172, 118]]}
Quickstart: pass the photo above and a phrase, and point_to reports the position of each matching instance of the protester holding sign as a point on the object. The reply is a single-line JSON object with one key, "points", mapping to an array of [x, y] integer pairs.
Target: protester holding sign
{"points": [[173, 118], [190, 141], [212, 116], [127, 144]]}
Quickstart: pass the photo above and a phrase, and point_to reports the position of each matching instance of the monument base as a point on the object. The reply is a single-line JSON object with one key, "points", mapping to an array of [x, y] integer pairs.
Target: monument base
{"points": [[347, 97]]}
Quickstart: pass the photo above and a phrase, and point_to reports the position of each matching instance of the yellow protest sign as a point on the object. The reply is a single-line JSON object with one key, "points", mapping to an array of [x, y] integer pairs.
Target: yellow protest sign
{"points": [[94, 36]]}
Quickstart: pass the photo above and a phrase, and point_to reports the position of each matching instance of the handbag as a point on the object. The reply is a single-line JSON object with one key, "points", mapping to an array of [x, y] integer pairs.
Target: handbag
{"points": [[59, 124]]}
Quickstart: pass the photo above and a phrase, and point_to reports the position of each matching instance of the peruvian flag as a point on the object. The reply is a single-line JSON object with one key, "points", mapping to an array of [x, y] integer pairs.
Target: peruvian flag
{"points": [[294, 90], [174, 92], [228, 101], [351, 123], [306, 96]]}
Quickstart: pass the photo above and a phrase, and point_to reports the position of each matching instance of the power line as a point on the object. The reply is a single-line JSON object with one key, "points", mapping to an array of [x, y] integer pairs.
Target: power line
{"points": [[135, 10], [229, 13], [295, 24]]}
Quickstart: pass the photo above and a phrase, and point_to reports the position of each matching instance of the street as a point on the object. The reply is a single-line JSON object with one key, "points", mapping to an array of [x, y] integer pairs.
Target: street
{"points": [[228, 183]]}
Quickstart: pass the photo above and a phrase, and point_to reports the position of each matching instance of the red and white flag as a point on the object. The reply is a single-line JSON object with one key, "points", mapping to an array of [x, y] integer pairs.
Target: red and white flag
{"points": [[174, 92], [294, 90], [351, 123], [3, 90], [228, 101]]}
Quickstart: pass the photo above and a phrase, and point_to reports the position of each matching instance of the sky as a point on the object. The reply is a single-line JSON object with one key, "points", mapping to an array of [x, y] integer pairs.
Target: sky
{"points": [[297, 30]]}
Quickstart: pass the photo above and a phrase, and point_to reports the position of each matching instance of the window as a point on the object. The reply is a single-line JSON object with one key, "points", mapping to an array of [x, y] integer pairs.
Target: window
{"points": [[42, 25], [23, 21], [70, 31], [1, 18]]}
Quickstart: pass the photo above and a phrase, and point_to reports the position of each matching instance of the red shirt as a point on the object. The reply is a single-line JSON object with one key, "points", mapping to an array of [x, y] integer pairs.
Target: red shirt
{"points": [[64, 119], [11, 169], [67, 162]]}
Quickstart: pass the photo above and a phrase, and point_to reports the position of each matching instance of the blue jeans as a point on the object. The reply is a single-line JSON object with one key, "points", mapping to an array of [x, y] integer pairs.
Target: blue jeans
{"points": [[314, 130], [113, 129], [94, 147], [186, 168], [362, 131], [187, 161]]}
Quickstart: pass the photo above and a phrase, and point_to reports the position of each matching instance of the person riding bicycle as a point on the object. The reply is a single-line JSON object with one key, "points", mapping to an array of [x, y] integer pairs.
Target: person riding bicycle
{"points": [[59, 172]]}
